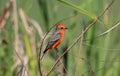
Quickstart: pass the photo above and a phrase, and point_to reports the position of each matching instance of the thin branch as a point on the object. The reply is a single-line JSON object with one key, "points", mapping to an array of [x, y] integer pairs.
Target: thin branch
{"points": [[20, 58], [107, 8], [78, 38], [105, 32], [109, 30]]}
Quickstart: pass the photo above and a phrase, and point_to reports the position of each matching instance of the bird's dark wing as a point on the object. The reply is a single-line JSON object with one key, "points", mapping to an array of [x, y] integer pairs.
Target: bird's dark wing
{"points": [[54, 38]]}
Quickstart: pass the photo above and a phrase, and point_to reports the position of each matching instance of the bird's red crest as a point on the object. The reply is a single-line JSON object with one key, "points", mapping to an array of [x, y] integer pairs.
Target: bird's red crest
{"points": [[60, 25]]}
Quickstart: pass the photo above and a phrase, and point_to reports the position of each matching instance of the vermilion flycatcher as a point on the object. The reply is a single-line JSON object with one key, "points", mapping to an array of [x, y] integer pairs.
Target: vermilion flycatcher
{"points": [[56, 38]]}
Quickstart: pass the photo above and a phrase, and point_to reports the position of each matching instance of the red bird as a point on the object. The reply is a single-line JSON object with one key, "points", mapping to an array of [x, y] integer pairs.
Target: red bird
{"points": [[56, 38]]}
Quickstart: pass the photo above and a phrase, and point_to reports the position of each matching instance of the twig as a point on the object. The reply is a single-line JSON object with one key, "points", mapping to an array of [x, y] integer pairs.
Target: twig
{"points": [[105, 32], [109, 30], [78, 38]]}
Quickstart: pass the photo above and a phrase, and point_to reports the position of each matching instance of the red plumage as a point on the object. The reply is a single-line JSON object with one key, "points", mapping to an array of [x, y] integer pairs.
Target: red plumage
{"points": [[56, 38]]}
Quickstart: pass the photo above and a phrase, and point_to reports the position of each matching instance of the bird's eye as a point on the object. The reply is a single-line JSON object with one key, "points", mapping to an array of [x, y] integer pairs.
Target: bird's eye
{"points": [[62, 28]]}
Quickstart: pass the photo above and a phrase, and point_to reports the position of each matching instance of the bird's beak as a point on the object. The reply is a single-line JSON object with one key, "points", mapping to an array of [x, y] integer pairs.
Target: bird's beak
{"points": [[66, 28]]}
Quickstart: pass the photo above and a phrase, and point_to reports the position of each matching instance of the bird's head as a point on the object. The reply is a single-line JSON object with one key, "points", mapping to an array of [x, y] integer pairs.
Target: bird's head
{"points": [[61, 27]]}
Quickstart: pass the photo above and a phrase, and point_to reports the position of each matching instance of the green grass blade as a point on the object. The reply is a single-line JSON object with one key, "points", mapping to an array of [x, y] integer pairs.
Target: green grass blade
{"points": [[78, 8]]}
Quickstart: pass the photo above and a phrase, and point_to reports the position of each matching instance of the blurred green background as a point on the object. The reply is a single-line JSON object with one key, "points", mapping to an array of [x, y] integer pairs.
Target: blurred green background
{"points": [[91, 56]]}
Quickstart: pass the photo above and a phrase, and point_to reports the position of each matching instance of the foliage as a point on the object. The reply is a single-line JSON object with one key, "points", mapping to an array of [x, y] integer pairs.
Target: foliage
{"points": [[91, 51]]}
